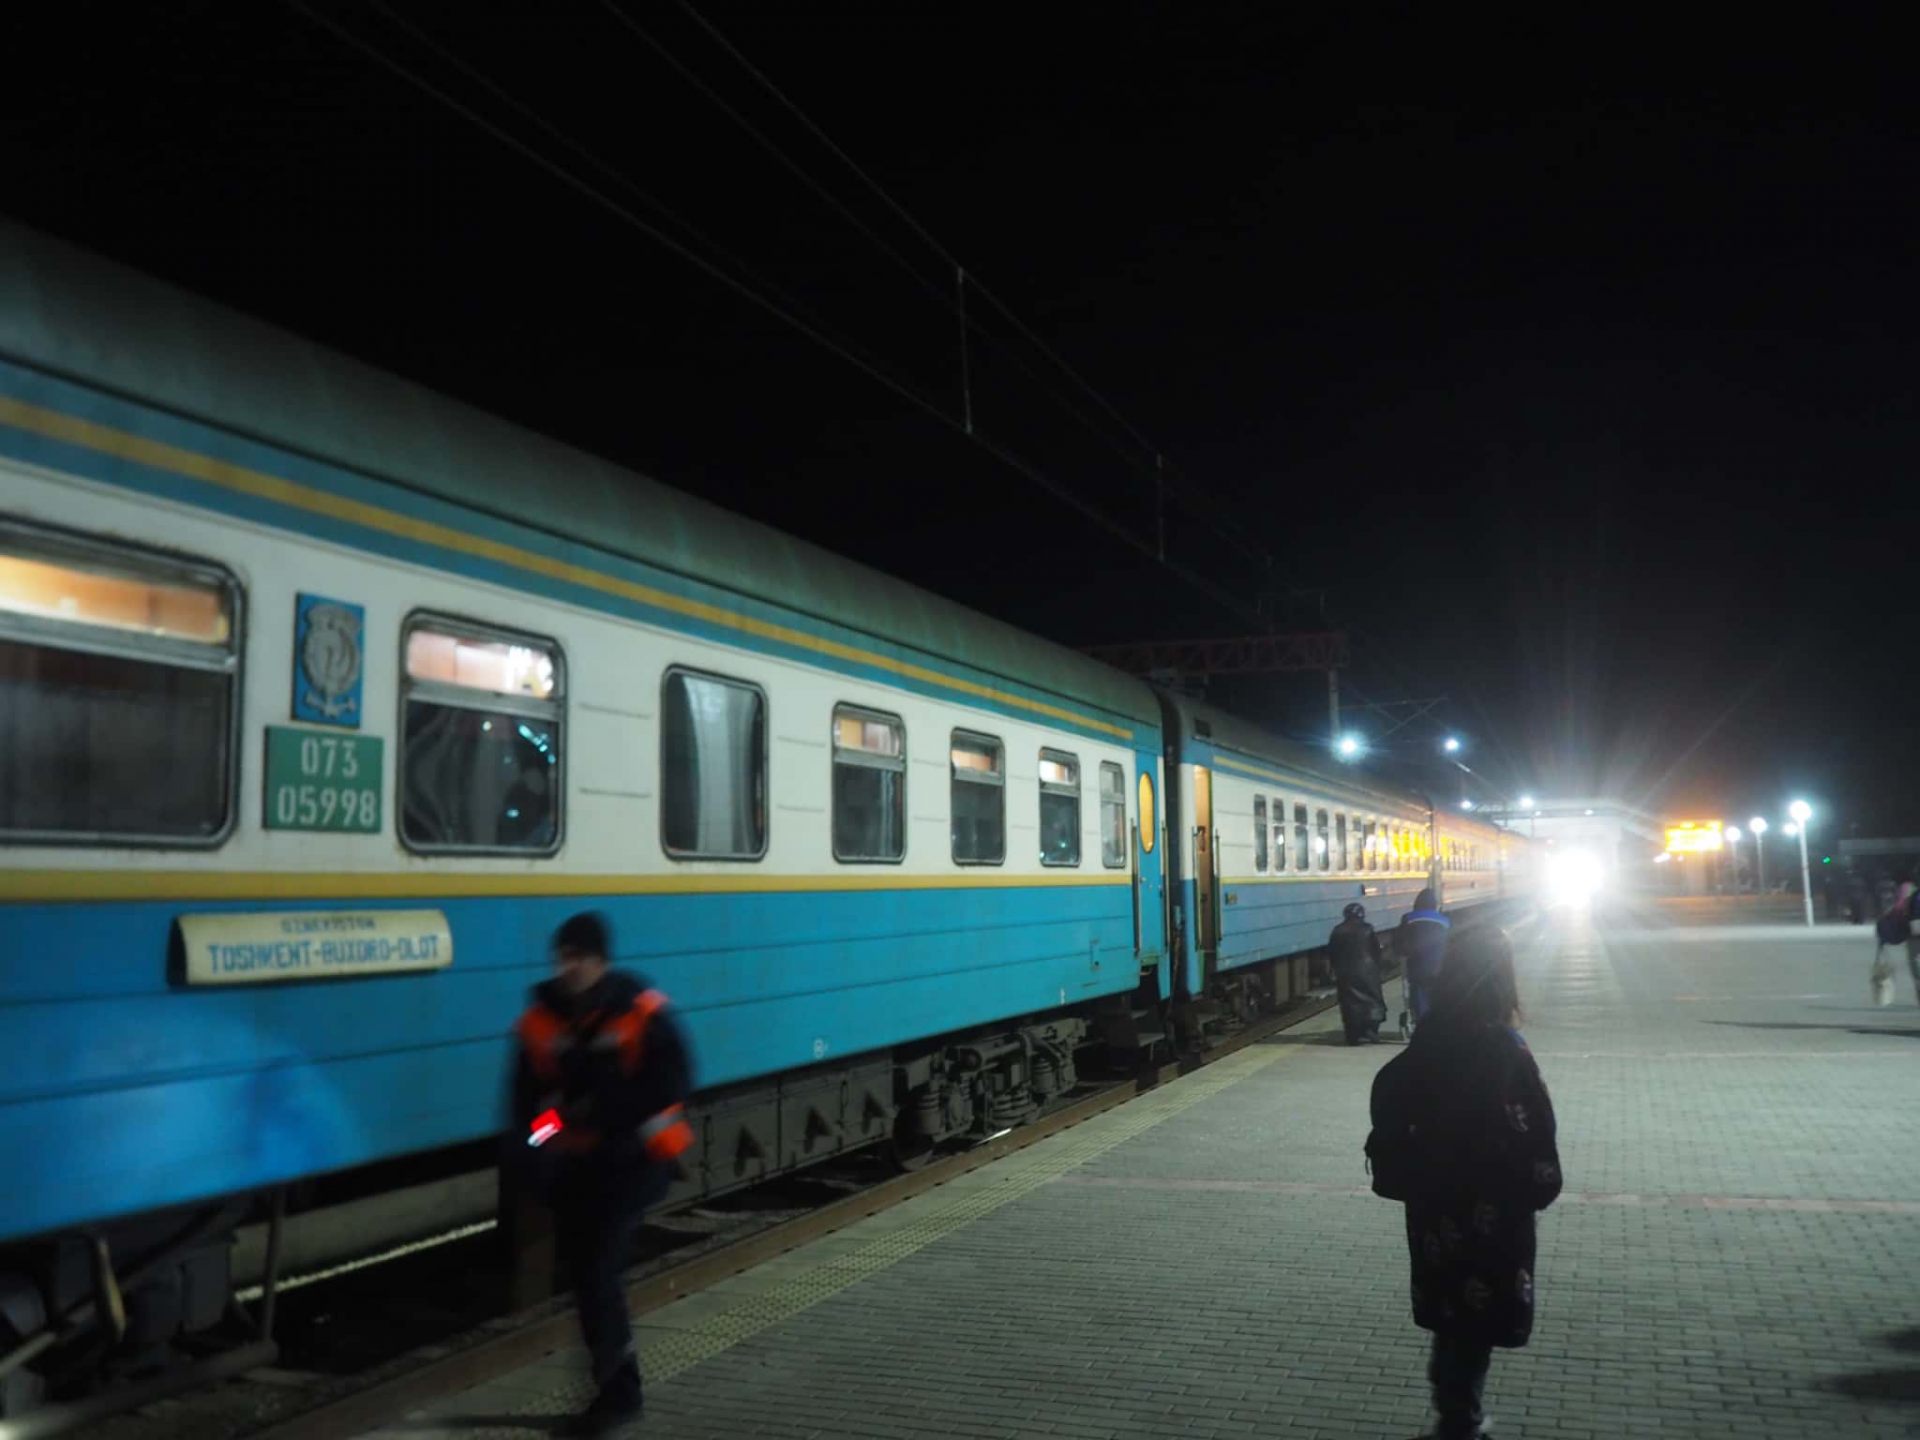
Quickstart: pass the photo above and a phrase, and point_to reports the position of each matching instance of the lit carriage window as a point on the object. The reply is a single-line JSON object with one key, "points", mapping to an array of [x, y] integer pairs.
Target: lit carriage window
{"points": [[1260, 834], [1301, 844], [1059, 808], [713, 768], [1369, 857], [118, 685], [1113, 815], [481, 739], [1320, 856], [869, 785], [1279, 835], [1339, 842], [979, 800]]}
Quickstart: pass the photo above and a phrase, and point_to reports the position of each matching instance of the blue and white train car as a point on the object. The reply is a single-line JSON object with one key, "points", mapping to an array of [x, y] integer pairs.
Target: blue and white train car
{"points": [[322, 701], [1272, 842]]}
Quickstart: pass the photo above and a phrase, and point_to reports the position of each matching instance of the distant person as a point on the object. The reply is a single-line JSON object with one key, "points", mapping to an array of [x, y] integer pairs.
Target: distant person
{"points": [[1463, 1134], [599, 1091], [1354, 947], [1895, 930], [1423, 947]]}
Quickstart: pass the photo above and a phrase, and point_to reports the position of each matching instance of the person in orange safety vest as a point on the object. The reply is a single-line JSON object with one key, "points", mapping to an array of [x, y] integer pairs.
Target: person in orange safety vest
{"points": [[600, 1091]]}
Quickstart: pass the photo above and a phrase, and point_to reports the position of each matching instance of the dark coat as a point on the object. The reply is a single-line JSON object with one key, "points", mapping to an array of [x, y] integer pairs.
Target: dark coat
{"points": [[1488, 1164], [1354, 949]]}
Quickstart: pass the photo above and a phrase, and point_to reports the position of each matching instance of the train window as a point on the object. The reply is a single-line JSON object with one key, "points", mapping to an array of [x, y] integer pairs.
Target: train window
{"points": [[1339, 842], [1366, 857], [1113, 816], [979, 800], [1059, 808], [118, 686], [713, 767], [1321, 858], [1260, 834], [869, 785], [1299, 836], [1279, 835], [480, 739]]}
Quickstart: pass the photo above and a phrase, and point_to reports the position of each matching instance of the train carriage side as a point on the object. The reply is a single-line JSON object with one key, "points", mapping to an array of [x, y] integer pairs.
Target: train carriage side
{"points": [[310, 744], [1271, 847], [1480, 866]]}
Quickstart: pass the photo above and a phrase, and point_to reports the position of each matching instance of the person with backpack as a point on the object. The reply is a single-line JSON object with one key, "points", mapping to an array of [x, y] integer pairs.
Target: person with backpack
{"points": [[1423, 947], [599, 1094], [1464, 1136], [1354, 949]]}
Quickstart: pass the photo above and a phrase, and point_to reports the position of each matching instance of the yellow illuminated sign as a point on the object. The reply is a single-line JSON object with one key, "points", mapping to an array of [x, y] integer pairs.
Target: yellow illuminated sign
{"points": [[1694, 837]]}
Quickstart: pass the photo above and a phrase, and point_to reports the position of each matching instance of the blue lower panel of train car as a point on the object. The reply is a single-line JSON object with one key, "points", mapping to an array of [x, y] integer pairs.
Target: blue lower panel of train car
{"points": [[124, 1093], [1262, 919]]}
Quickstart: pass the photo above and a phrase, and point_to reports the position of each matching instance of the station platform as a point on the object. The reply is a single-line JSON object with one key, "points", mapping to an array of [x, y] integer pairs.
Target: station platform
{"points": [[1737, 1253]]}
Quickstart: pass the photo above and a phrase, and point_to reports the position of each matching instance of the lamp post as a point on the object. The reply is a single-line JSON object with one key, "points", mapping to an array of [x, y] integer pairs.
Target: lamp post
{"points": [[1803, 814], [1757, 827], [1733, 849]]}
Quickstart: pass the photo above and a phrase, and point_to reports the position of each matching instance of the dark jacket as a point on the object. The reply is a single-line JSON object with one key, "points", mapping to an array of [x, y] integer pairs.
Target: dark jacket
{"points": [[1422, 944], [1487, 1163], [1353, 946], [611, 1063]]}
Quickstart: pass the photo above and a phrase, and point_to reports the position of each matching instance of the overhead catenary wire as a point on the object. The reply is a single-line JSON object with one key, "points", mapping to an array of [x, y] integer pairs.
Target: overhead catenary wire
{"points": [[867, 366], [1229, 526], [605, 167]]}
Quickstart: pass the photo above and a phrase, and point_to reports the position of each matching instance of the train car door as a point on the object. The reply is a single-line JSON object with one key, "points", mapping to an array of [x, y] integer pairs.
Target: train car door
{"points": [[1206, 872], [1149, 873]]}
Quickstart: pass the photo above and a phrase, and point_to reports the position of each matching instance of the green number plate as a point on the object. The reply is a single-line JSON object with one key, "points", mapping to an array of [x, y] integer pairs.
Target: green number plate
{"points": [[321, 781]]}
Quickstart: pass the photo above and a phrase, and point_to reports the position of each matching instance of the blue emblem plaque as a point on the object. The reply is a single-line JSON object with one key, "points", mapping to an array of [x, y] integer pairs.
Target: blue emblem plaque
{"points": [[327, 636]]}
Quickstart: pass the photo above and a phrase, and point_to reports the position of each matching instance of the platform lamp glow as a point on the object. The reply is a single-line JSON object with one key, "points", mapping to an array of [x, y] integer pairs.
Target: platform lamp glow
{"points": [[1733, 853], [1802, 816], [1757, 827], [1347, 747]]}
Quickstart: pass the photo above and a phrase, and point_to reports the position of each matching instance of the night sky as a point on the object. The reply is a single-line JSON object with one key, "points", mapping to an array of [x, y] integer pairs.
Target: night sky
{"points": [[1568, 367]]}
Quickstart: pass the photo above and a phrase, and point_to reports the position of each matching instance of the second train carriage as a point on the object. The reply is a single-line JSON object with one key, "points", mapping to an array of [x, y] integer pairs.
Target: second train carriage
{"points": [[1272, 840]]}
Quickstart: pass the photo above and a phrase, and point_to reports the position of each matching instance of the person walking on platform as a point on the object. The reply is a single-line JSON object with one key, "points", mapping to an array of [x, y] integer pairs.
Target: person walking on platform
{"points": [[1895, 929], [1423, 947], [1463, 1135], [1354, 947], [599, 1090]]}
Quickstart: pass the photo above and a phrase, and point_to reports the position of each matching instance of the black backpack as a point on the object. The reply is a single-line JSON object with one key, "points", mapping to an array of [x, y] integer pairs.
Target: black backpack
{"points": [[1396, 1158], [1892, 926]]}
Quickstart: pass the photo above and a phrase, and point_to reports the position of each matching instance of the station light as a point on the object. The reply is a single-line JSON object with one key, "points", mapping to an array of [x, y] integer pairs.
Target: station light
{"points": [[1758, 825], [1790, 829], [1347, 747], [1451, 744], [1526, 802], [1466, 804], [1733, 834], [1802, 814]]}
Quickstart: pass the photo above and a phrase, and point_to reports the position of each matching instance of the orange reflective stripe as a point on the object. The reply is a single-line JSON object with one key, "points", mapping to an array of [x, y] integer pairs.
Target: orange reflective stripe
{"points": [[540, 1031], [631, 1028], [667, 1136]]}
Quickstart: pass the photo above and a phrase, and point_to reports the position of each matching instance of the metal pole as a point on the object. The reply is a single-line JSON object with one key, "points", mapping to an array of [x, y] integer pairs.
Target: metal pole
{"points": [[1760, 862], [1333, 707], [1806, 886]]}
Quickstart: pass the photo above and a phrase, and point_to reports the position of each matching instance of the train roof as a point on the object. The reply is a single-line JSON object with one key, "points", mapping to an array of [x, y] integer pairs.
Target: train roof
{"points": [[65, 311]]}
